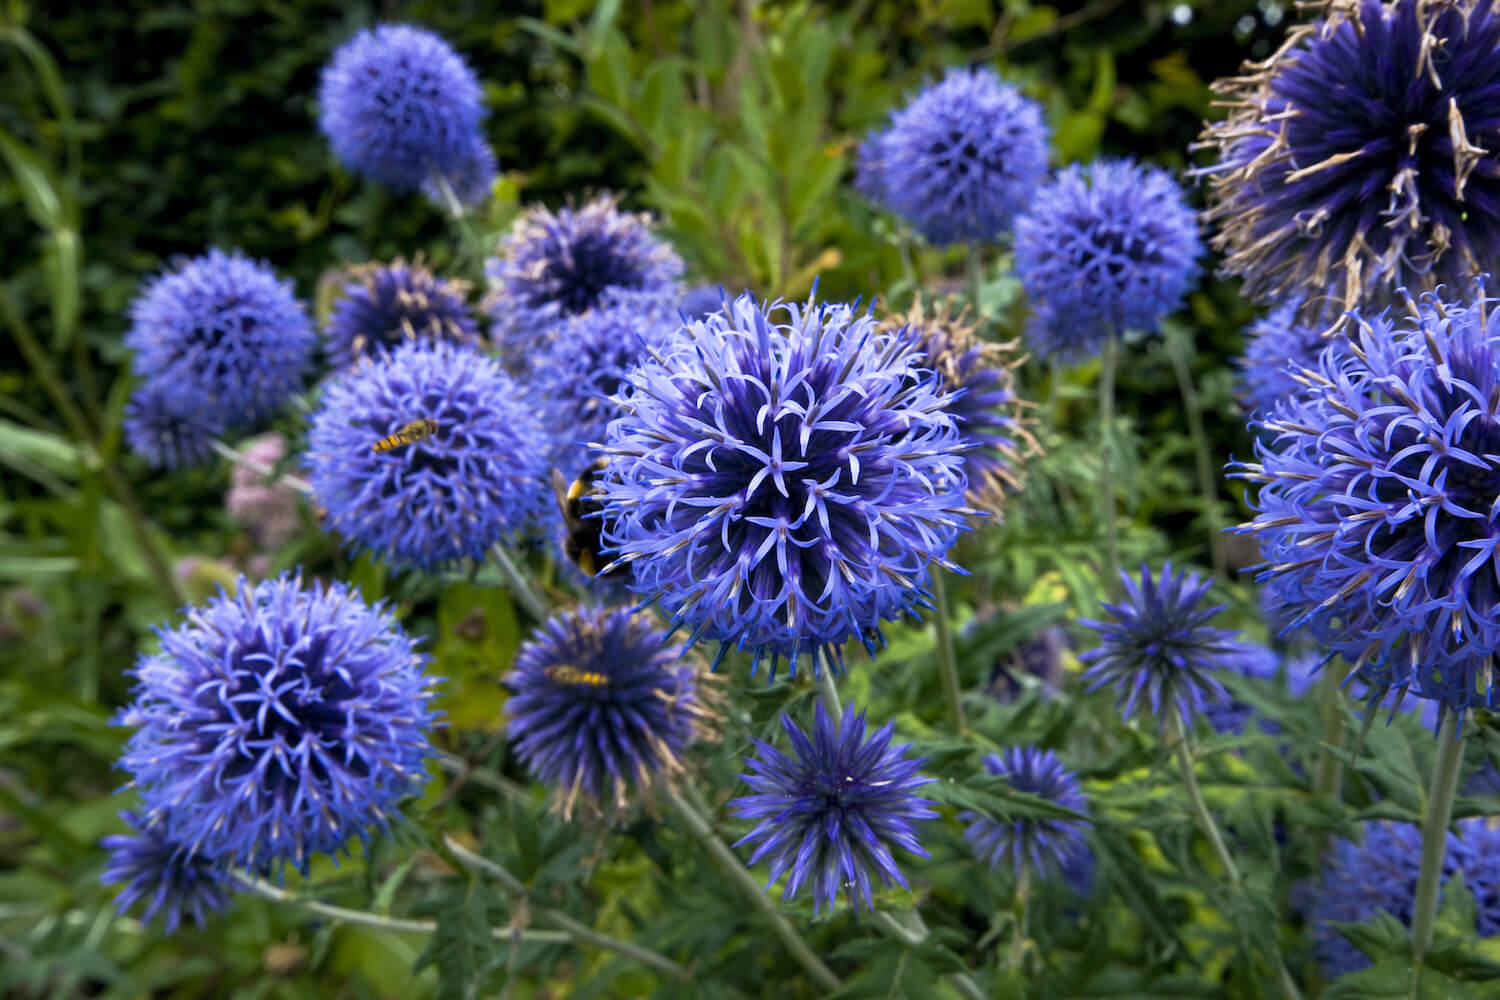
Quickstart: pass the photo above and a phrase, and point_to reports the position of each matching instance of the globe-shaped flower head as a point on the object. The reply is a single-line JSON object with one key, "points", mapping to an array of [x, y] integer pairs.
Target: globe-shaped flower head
{"points": [[1230, 714], [469, 182], [221, 333], [1278, 347], [960, 160], [1379, 506], [277, 722], [783, 486], [831, 811], [700, 300], [604, 701], [1159, 645], [398, 105], [169, 429], [1042, 845], [173, 881], [1363, 156], [1101, 249], [984, 403], [476, 477], [386, 305], [559, 264]]}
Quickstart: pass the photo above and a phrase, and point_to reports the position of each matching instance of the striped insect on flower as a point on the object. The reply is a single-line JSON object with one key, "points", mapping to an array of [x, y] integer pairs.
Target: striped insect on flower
{"points": [[563, 674], [409, 433]]}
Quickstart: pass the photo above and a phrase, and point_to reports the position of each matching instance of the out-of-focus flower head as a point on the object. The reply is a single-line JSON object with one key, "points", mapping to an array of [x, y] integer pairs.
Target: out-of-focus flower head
{"points": [[984, 403], [1227, 714], [554, 265], [784, 485], [1041, 845], [221, 335], [1041, 657], [831, 811], [1379, 499], [1159, 645], [1363, 156], [387, 305], [700, 300], [1276, 349], [268, 509], [278, 722], [398, 105], [604, 701], [470, 181], [478, 477], [960, 160], [168, 428], [1102, 249], [173, 881]]}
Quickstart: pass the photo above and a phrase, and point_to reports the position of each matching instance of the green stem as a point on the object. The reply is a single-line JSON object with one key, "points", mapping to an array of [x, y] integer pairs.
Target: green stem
{"points": [[908, 264], [1330, 777], [1022, 921], [519, 588], [1207, 485], [260, 468], [1107, 499], [454, 764], [579, 932], [947, 660], [1177, 733], [1450, 756], [974, 266], [828, 688], [912, 938], [730, 865], [365, 918]]}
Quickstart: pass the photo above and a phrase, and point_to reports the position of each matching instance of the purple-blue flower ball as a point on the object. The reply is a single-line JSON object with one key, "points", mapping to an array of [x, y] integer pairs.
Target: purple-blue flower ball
{"points": [[278, 722], [470, 181], [604, 701], [700, 300], [1042, 845], [555, 265], [831, 810], [387, 305], [225, 334], [1228, 714], [1160, 647], [480, 477], [1363, 156], [960, 160], [1102, 249], [1040, 657], [782, 478], [1379, 504], [169, 428], [173, 881], [1276, 349], [398, 104]]}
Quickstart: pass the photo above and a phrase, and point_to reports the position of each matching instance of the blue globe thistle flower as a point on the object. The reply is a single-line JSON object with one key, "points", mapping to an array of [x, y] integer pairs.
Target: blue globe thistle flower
{"points": [[1101, 249], [699, 301], [1228, 714], [1364, 156], [556, 265], [984, 403], [1160, 645], [173, 881], [224, 333], [477, 478], [960, 160], [398, 104], [169, 428], [1041, 657], [602, 701], [1043, 846], [831, 810], [783, 486], [1379, 499], [1477, 855], [386, 305], [277, 722], [471, 180], [1276, 349]]}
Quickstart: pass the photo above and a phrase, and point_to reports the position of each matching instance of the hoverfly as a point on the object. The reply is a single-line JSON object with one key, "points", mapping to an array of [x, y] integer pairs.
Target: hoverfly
{"points": [[410, 433], [572, 675]]}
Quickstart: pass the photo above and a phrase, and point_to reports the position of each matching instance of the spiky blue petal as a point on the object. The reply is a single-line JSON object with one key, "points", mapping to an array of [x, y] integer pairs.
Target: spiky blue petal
{"points": [[387, 305], [1043, 846], [1277, 347], [173, 882], [169, 428]]}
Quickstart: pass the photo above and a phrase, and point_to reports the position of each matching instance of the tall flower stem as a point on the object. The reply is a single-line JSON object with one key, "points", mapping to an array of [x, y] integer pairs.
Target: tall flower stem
{"points": [[828, 688], [1207, 487], [260, 468], [913, 937], [1022, 919], [974, 267], [947, 658], [365, 918], [1450, 756], [698, 826], [579, 932], [1330, 776], [1108, 503], [519, 587]]}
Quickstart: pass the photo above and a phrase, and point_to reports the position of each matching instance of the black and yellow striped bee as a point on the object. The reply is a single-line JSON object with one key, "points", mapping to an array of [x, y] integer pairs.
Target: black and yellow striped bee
{"points": [[584, 540], [572, 675], [411, 433]]}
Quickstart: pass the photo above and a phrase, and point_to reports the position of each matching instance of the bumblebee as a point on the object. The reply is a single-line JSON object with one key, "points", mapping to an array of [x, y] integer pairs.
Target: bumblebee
{"points": [[422, 427], [572, 675], [584, 539]]}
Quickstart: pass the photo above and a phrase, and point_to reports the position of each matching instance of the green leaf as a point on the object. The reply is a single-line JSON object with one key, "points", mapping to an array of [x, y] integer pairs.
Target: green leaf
{"points": [[478, 636], [53, 453], [548, 33], [38, 190], [461, 944]]}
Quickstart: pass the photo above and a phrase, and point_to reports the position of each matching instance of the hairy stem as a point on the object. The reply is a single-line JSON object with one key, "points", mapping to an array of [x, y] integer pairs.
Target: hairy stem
{"points": [[947, 659], [1450, 756], [1330, 777], [1207, 486], [519, 587], [1177, 733]]}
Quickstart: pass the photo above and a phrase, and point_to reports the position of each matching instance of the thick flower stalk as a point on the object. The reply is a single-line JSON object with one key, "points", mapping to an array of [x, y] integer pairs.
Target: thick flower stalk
{"points": [[1101, 249], [475, 479], [605, 703], [387, 305], [399, 105], [1044, 846], [831, 810], [958, 161], [1379, 504], [784, 486], [1363, 156], [172, 881], [554, 265], [278, 722]]}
